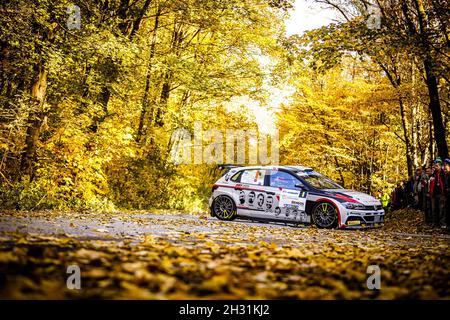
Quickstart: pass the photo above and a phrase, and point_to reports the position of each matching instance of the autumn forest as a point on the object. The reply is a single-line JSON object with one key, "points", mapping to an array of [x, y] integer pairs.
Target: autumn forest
{"points": [[91, 94], [116, 116]]}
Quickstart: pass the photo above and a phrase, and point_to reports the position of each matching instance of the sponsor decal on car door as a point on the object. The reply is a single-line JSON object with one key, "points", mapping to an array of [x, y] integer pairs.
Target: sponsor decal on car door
{"points": [[251, 193], [289, 200]]}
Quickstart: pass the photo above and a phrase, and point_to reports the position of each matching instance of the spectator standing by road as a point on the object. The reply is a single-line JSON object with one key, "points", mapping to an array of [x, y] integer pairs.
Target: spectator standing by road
{"points": [[409, 196], [426, 195], [398, 197], [384, 199], [417, 189], [447, 191], [437, 193]]}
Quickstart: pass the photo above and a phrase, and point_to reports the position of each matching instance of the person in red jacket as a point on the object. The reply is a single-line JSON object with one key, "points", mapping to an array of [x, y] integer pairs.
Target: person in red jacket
{"points": [[437, 193], [447, 192], [426, 194]]}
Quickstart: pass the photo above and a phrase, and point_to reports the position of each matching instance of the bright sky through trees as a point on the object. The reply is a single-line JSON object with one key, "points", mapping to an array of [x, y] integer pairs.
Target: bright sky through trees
{"points": [[308, 15]]}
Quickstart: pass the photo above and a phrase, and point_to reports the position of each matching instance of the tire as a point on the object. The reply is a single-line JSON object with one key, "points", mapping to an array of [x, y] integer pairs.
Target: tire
{"points": [[324, 215], [224, 208]]}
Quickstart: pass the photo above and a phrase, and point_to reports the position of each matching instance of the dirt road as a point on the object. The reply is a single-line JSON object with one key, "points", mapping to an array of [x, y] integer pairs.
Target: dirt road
{"points": [[171, 256]]}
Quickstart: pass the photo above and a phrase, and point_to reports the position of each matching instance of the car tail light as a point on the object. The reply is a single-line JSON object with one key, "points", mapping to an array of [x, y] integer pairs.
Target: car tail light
{"points": [[214, 187]]}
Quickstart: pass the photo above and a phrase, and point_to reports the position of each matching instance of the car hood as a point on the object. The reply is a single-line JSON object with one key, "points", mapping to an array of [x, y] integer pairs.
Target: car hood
{"points": [[363, 198]]}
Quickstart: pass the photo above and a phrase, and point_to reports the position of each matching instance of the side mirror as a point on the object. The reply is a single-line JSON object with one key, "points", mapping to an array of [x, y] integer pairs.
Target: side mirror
{"points": [[301, 186]]}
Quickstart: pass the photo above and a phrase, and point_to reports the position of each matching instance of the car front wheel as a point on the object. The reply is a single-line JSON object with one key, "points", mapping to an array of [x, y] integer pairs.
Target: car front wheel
{"points": [[324, 215], [224, 208]]}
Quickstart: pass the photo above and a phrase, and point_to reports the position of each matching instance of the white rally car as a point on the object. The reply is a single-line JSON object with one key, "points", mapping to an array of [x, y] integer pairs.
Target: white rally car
{"points": [[292, 194]]}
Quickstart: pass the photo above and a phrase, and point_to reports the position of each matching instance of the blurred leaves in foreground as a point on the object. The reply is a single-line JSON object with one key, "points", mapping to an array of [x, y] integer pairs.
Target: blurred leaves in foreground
{"points": [[235, 261]]}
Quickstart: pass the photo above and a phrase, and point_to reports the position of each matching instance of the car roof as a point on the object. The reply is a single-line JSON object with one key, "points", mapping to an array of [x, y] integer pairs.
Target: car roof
{"points": [[286, 167]]}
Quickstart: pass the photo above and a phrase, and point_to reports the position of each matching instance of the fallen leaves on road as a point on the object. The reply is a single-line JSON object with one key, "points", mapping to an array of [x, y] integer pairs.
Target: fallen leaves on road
{"points": [[235, 261], [408, 221]]}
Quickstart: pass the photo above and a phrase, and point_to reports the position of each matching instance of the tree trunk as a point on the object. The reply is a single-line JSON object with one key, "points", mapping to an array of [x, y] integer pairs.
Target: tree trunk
{"points": [[431, 140], [177, 39], [138, 20], [164, 98], [395, 80], [435, 108], [330, 144], [38, 91], [409, 162], [145, 99], [431, 81]]}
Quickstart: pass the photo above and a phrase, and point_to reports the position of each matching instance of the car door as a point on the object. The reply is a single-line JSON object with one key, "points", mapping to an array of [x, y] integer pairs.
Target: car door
{"points": [[286, 197], [250, 193]]}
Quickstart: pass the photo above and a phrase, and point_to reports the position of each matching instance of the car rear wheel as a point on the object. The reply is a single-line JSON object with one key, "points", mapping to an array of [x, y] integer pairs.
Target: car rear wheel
{"points": [[224, 208], [324, 215]]}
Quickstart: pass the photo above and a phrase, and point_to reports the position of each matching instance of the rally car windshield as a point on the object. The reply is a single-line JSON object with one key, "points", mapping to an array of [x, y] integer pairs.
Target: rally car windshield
{"points": [[320, 182]]}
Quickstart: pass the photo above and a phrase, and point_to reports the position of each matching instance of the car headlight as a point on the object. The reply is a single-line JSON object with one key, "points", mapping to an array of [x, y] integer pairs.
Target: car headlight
{"points": [[353, 205]]}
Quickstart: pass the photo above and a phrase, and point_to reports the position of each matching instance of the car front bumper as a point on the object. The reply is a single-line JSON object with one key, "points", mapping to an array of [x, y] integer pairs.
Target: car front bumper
{"points": [[357, 219]]}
